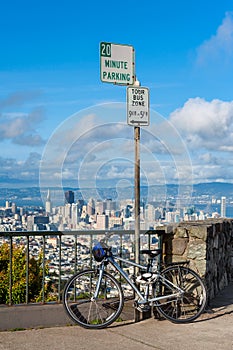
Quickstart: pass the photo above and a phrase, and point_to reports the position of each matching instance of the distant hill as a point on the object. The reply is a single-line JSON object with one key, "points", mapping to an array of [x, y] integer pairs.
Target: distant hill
{"points": [[216, 189], [24, 196]]}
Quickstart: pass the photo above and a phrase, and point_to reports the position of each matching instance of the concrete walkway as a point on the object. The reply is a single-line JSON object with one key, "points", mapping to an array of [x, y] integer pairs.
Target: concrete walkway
{"points": [[213, 330]]}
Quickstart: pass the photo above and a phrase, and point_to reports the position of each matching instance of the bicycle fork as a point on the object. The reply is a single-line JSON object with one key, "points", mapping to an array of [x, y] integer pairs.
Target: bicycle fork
{"points": [[101, 272]]}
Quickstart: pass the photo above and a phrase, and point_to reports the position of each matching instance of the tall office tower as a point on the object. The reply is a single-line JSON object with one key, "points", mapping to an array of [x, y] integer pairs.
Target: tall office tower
{"points": [[48, 204], [67, 211], [69, 197], [150, 212], [74, 215], [8, 204], [99, 207], [14, 208], [80, 203], [110, 204], [223, 207], [37, 223], [102, 222], [91, 207]]}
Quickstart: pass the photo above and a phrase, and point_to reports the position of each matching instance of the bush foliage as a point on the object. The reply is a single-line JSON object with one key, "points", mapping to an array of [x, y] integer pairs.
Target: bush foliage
{"points": [[35, 272]]}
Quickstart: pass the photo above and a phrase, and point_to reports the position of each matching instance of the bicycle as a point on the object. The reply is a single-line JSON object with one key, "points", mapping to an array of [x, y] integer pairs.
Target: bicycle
{"points": [[94, 298]]}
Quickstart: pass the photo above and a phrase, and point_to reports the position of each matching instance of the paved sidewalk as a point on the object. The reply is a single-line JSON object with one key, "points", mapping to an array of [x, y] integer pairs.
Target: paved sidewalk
{"points": [[213, 330]]}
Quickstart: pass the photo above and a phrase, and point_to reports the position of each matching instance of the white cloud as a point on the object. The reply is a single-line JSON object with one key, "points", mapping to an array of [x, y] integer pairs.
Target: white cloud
{"points": [[204, 124], [18, 98], [219, 46], [209, 158], [211, 173], [118, 172], [21, 170], [20, 128], [207, 129], [19, 122]]}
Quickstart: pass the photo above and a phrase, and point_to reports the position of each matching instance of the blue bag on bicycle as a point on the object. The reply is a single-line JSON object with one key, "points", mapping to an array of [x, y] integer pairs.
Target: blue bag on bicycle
{"points": [[99, 252]]}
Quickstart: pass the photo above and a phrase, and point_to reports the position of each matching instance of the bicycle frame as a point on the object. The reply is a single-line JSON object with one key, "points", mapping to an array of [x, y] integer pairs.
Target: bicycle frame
{"points": [[142, 299]]}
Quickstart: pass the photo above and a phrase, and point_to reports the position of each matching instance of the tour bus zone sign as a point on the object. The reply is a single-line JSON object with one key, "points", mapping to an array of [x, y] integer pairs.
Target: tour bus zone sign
{"points": [[138, 106], [117, 63]]}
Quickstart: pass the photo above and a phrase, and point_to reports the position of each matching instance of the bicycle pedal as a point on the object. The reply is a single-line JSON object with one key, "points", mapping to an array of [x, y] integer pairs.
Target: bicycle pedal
{"points": [[142, 307], [145, 308]]}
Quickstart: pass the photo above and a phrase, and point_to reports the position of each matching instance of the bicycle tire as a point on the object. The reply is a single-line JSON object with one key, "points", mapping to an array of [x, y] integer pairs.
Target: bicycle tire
{"points": [[89, 313], [187, 307]]}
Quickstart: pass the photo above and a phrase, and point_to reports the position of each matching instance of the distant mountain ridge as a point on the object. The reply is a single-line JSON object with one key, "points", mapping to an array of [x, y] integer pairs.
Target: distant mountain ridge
{"points": [[214, 188], [33, 195]]}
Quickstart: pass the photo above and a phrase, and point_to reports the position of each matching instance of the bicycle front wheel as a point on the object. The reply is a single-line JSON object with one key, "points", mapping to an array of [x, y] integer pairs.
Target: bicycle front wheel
{"points": [[190, 303], [92, 312]]}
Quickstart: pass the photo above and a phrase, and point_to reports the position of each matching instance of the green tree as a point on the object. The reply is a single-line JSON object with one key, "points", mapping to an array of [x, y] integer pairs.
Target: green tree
{"points": [[35, 270]]}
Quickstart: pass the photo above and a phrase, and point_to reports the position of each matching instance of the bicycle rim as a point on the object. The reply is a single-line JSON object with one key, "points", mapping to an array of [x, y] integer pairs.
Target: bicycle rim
{"points": [[190, 304], [89, 313]]}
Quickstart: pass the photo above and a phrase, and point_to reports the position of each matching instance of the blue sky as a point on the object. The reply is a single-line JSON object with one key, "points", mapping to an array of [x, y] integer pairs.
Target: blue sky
{"points": [[50, 89]]}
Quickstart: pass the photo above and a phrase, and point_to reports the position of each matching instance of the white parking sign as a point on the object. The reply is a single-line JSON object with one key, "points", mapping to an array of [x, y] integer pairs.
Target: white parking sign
{"points": [[138, 106], [117, 63]]}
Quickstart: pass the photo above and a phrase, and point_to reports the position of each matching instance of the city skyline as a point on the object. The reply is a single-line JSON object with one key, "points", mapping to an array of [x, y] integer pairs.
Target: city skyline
{"points": [[108, 214], [61, 124], [36, 196]]}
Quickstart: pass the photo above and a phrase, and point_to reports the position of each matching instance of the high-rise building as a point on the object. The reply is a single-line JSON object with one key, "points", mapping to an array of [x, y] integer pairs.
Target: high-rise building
{"points": [[8, 204], [80, 203], [74, 215], [91, 207], [223, 207], [99, 207], [110, 204], [69, 197], [37, 223], [67, 211], [48, 204], [102, 222], [150, 212], [14, 208]]}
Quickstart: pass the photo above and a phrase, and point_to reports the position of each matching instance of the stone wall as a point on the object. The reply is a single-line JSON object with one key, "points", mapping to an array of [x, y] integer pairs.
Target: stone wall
{"points": [[208, 246]]}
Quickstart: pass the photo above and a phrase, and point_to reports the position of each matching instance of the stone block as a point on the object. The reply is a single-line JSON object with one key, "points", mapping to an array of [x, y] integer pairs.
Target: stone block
{"points": [[200, 267], [179, 246], [196, 250], [181, 232], [199, 231]]}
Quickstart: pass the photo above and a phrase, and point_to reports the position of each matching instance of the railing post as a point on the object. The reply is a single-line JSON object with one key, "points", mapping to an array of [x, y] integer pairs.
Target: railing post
{"points": [[160, 246], [43, 277], [91, 244], [10, 272], [59, 277], [75, 254], [27, 271]]}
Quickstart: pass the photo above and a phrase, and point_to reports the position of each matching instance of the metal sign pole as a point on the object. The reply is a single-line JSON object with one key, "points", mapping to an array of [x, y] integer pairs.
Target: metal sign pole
{"points": [[137, 192], [137, 204], [137, 185], [137, 314]]}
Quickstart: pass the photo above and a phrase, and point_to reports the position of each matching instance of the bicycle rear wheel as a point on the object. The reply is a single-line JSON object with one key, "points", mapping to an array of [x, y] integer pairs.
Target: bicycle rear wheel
{"points": [[86, 311], [190, 304]]}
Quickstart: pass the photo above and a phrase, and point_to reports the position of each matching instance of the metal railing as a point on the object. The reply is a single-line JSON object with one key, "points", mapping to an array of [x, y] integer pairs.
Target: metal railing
{"points": [[89, 236]]}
